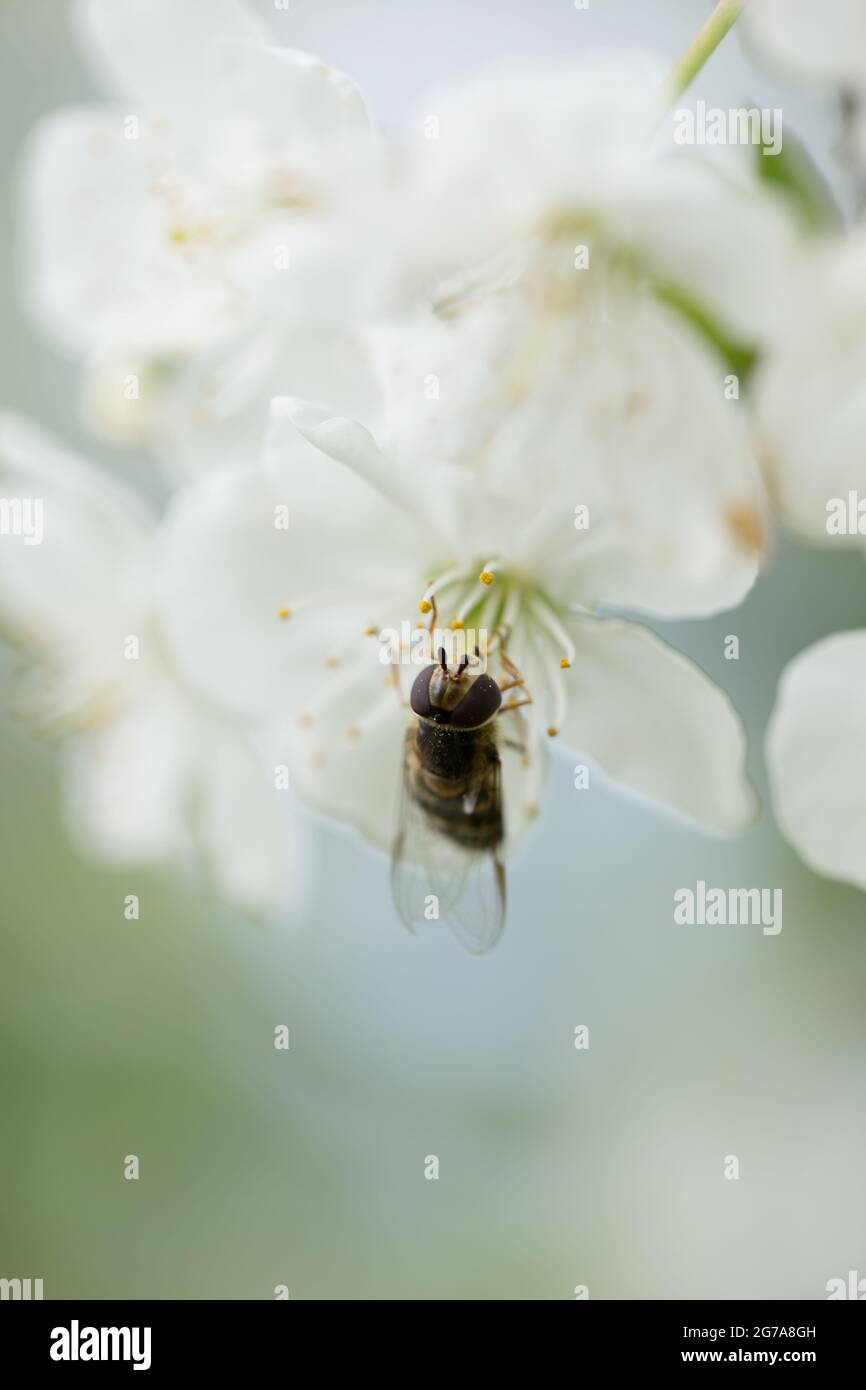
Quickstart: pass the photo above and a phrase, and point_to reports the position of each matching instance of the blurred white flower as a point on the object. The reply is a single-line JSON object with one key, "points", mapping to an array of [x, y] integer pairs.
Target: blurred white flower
{"points": [[152, 770], [810, 393], [560, 180], [823, 43], [810, 402], [556, 423], [599, 296], [558, 431], [185, 240], [284, 623], [816, 756]]}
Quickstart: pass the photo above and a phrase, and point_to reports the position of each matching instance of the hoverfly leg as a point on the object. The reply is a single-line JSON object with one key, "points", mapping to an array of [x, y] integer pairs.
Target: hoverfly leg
{"points": [[515, 704], [500, 635], [516, 679]]}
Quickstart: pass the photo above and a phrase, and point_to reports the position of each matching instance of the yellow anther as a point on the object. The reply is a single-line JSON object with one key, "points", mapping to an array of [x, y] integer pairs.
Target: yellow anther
{"points": [[331, 662], [369, 632], [457, 625], [486, 577], [353, 733], [284, 613], [552, 731], [564, 663], [424, 606]]}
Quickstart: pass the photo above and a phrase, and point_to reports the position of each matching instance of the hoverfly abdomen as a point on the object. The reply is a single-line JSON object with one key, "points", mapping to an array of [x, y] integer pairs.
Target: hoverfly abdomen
{"points": [[450, 779]]}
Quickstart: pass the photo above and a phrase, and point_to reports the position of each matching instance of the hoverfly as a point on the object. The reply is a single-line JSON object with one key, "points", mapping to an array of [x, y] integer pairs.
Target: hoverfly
{"points": [[448, 852]]}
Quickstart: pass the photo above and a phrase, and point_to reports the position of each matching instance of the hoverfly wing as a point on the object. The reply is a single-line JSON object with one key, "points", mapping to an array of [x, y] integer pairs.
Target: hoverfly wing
{"points": [[477, 911], [452, 877], [423, 878]]}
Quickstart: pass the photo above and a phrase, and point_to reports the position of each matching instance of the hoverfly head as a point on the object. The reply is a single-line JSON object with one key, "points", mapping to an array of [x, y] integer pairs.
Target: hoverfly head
{"points": [[456, 698]]}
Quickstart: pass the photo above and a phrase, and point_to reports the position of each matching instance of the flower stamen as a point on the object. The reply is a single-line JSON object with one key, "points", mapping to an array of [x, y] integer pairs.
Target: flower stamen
{"points": [[556, 630]]}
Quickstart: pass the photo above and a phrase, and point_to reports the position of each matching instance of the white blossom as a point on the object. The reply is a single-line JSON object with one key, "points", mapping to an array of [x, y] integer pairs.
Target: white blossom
{"points": [[816, 755], [820, 43], [284, 624], [188, 241], [152, 771]]}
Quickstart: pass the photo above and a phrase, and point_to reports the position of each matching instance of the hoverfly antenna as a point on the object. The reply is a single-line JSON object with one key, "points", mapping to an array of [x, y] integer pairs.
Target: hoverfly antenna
{"points": [[478, 651], [463, 664], [442, 659]]}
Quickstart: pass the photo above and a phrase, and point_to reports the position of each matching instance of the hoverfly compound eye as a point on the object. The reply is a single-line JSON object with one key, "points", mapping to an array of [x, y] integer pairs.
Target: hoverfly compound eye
{"points": [[420, 696], [478, 705]]}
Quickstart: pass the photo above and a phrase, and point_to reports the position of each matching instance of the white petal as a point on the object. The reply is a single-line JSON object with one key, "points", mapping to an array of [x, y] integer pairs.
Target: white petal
{"points": [[122, 244], [816, 756], [525, 769], [810, 397], [514, 147], [346, 762], [346, 440], [126, 785], [229, 571], [254, 843], [163, 783], [217, 409], [376, 508], [679, 525], [616, 405], [654, 722], [209, 66], [73, 597], [285, 110], [825, 41], [726, 245]]}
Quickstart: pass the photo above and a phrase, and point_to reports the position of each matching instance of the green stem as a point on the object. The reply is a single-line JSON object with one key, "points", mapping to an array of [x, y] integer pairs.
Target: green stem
{"points": [[702, 46]]}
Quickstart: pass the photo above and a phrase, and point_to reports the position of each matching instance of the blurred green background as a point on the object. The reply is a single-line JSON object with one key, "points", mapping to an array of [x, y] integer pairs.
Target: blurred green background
{"points": [[557, 1167]]}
